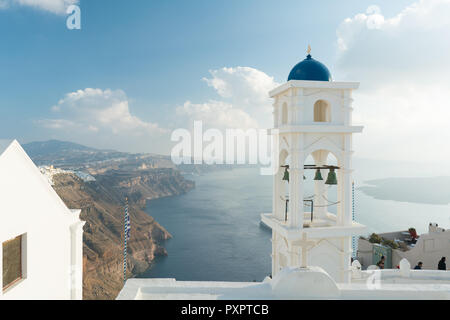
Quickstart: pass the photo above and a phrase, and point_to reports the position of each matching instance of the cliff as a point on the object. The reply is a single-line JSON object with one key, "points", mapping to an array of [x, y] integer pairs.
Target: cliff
{"points": [[102, 203], [144, 185]]}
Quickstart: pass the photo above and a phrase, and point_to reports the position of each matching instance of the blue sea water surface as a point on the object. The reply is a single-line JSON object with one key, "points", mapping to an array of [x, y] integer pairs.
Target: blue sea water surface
{"points": [[217, 235]]}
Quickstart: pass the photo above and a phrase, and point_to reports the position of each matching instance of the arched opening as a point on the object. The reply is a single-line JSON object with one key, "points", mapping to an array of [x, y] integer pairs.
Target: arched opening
{"points": [[318, 192], [284, 114], [322, 111]]}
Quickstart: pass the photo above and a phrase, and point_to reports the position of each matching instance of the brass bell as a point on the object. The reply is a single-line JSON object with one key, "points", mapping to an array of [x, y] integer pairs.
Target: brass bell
{"points": [[331, 179], [318, 176], [286, 174]]}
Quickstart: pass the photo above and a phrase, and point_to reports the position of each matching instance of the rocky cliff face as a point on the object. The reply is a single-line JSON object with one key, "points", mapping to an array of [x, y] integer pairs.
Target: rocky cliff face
{"points": [[144, 185], [102, 204]]}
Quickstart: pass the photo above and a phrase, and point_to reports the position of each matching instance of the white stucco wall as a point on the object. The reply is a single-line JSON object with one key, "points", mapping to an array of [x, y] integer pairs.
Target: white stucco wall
{"points": [[429, 249], [29, 206], [298, 284]]}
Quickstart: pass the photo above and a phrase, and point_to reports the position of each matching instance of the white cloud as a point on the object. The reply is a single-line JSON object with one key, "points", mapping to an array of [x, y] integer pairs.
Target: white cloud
{"points": [[402, 63], [56, 123], [53, 6], [244, 102], [404, 123], [216, 114], [245, 86], [101, 116], [408, 45], [4, 4]]}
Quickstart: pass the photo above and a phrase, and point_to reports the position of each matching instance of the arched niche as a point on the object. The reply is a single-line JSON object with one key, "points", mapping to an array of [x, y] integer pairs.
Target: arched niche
{"points": [[322, 111]]}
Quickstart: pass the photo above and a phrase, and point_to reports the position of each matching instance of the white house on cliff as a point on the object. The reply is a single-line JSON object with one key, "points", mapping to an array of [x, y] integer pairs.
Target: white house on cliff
{"points": [[41, 239]]}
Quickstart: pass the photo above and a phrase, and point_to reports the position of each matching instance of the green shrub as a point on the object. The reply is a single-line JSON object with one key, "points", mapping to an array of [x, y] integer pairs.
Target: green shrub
{"points": [[390, 243], [374, 238]]}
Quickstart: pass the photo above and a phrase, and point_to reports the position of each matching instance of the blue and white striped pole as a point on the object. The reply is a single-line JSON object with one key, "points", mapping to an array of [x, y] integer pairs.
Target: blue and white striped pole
{"points": [[354, 238], [125, 239]]}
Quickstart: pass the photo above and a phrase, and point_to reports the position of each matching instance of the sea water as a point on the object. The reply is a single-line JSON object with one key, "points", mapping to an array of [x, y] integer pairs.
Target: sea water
{"points": [[217, 235]]}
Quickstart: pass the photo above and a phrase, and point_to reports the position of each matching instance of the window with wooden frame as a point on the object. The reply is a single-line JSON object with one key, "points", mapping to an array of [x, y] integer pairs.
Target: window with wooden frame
{"points": [[12, 262]]}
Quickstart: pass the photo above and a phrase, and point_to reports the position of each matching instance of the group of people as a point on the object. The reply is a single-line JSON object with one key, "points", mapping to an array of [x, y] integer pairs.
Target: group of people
{"points": [[441, 265]]}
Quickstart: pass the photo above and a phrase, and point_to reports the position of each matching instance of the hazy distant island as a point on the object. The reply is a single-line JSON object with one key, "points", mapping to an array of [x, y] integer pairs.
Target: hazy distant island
{"points": [[429, 190]]}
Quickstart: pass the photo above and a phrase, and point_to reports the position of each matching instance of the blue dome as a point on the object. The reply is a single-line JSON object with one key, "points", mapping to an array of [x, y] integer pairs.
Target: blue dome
{"points": [[310, 69]]}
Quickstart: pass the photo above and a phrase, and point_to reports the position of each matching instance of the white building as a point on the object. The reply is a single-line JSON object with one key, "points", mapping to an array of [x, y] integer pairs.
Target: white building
{"points": [[429, 248], [311, 250], [313, 120], [298, 284], [51, 171], [42, 240]]}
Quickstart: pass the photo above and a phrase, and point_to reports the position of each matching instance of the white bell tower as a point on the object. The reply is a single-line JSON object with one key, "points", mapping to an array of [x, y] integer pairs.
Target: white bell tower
{"points": [[313, 117]]}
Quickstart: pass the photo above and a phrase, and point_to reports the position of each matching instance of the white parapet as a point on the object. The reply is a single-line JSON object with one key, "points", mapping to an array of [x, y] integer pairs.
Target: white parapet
{"points": [[298, 284]]}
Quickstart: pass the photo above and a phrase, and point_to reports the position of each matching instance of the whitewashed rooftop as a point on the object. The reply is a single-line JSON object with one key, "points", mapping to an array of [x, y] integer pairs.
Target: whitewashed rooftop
{"points": [[298, 284]]}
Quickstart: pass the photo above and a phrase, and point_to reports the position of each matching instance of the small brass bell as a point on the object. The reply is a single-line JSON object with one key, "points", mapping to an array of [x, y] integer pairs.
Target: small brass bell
{"points": [[331, 179], [286, 174], [318, 175]]}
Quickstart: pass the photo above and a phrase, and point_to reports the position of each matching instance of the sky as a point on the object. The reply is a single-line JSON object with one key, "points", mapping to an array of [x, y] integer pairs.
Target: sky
{"points": [[137, 70]]}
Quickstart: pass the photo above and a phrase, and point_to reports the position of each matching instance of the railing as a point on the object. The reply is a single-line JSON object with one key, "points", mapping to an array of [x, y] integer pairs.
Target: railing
{"points": [[286, 208]]}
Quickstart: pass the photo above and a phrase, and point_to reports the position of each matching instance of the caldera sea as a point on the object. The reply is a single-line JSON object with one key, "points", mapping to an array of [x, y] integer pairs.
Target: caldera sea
{"points": [[217, 235]]}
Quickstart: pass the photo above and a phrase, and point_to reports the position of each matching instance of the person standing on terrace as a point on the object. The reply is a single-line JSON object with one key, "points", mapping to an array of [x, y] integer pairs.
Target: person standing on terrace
{"points": [[442, 265]]}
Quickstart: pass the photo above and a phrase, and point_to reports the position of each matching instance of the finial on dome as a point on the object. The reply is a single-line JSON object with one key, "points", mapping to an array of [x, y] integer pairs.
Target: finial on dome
{"points": [[310, 69]]}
